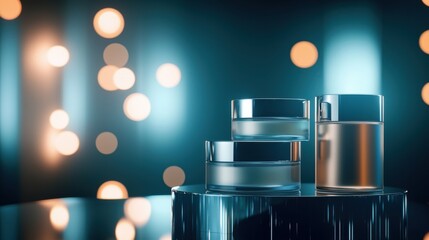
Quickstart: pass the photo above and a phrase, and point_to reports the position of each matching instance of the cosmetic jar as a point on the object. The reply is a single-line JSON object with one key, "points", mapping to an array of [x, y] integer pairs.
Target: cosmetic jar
{"points": [[349, 143], [270, 119], [253, 166]]}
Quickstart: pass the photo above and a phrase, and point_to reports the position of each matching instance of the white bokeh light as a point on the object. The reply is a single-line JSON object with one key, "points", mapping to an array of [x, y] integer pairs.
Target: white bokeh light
{"points": [[138, 210], [125, 230], [124, 78], [112, 190], [66, 143], [109, 23], [59, 119], [58, 56], [137, 107], [168, 75]]}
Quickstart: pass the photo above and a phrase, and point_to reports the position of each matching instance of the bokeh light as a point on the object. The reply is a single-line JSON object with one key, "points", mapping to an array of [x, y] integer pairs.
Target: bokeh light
{"points": [[58, 56], [10, 9], [426, 2], [425, 93], [115, 54], [105, 77], [137, 107], [426, 236], [173, 176], [125, 230], [138, 210], [166, 236], [304, 54], [124, 78], [66, 143], [59, 217], [59, 119], [112, 190], [168, 75], [106, 142], [108, 23], [424, 41]]}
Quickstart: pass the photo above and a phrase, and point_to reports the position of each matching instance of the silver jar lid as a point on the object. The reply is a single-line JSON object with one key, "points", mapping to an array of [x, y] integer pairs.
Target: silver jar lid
{"points": [[270, 108], [239, 151], [349, 107]]}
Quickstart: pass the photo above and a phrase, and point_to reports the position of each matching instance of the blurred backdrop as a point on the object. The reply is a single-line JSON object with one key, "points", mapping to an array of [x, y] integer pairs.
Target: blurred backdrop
{"points": [[122, 94]]}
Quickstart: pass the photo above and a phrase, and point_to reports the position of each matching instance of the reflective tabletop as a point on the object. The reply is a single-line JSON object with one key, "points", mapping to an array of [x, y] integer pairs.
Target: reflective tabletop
{"points": [[85, 218], [148, 217]]}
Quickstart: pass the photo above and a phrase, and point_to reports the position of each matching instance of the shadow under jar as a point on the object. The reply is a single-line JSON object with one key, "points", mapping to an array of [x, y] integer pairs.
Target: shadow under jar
{"points": [[349, 143]]}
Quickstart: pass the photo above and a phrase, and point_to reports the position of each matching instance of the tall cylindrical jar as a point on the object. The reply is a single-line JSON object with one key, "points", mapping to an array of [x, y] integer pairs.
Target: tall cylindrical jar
{"points": [[349, 143]]}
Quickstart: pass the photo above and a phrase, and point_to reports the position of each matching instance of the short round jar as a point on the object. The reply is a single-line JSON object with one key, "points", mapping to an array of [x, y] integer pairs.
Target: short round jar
{"points": [[270, 119], [253, 166]]}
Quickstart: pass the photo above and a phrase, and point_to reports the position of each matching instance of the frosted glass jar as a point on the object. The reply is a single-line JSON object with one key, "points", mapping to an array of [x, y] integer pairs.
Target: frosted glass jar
{"points": [[270, 119], [349, 143], [253, 166]]}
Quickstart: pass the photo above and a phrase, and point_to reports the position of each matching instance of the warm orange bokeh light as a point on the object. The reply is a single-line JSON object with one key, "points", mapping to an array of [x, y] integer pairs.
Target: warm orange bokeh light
{"points": [[108, 23], [425, 93], [105, 77], [426, 2], [115, 54], [173, 176], [106, 143], [10, 9], [424, 42], [112, 190], [304, 54]]}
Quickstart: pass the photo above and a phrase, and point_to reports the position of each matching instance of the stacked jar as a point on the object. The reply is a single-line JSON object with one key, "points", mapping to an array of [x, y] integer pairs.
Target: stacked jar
{"points": [[264, 153]]}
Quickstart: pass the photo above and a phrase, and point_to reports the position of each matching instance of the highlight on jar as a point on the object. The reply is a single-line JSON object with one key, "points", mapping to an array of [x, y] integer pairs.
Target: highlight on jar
{"points": [[349, 143]]}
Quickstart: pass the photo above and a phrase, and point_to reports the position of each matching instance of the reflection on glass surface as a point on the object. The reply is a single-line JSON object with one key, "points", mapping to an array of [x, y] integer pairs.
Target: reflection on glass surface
{"points": [[59, 217], [138, 210], [80, 218], [125, 230], [165, 237]]}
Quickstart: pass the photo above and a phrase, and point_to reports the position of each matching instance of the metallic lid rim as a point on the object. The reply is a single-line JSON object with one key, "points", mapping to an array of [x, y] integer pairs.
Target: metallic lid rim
{"points": [[349, 108], [270, 107]]}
